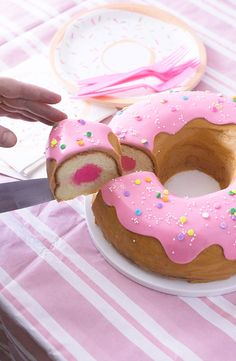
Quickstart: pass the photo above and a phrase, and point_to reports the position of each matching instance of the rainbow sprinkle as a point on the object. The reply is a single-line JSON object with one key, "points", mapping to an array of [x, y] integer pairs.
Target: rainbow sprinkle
{"points": [[183, 219], [190, 232], [148, 180], [80, 142], [88, 134], [53, 142]]}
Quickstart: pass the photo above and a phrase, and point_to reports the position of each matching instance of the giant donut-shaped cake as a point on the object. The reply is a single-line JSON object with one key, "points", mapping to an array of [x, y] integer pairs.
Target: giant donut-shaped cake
{"points": [[191, 238]]}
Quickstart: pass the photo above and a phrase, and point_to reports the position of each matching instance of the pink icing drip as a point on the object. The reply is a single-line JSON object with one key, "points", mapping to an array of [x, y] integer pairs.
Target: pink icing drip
{"points": [[141, 211], [73, 136], [88, 173], [128, 163], [208, 216], [140, 123]]}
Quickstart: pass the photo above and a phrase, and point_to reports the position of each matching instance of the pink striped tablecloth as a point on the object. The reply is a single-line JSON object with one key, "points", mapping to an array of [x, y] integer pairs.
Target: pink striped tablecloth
{"points": [[60, 300]]}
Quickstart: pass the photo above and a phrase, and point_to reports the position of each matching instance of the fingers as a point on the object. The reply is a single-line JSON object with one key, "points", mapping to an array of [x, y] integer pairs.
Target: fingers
{"points": [[7, 138], [22, 114], [11, 88], [39, 111], [17, 115]]}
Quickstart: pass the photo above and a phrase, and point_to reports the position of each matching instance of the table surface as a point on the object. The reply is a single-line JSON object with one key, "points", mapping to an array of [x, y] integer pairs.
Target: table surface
{"points": [[60, 300]]}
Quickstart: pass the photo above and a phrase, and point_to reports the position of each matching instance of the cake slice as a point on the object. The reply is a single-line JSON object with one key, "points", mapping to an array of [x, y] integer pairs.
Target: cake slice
{"points": [[81, 157]]}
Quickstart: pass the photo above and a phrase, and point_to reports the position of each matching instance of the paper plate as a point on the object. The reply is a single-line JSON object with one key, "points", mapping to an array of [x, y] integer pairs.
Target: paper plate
{"points": [[118, 38], [154, 281]]}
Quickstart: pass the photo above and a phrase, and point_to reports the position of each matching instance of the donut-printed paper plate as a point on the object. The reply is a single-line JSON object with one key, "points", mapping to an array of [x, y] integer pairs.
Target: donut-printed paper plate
{"points": [[117, 38], [156, 282]]}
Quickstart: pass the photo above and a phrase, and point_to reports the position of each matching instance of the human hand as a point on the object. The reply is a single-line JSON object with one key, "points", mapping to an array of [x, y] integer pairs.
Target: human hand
{"points": [[27, 102]]}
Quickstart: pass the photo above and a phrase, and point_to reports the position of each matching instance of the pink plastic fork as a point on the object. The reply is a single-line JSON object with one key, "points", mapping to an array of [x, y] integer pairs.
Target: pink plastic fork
{"points": [[169, 84], [161, 76], [104, 81]]}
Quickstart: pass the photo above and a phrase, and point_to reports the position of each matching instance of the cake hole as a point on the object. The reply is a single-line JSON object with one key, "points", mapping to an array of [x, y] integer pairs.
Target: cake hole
{"points": [[191, 183], [198, 146]]}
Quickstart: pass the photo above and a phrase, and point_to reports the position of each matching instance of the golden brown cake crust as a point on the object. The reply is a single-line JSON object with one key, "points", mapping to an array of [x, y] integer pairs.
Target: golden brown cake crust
{"points": [[51, 166], [147, 252]]}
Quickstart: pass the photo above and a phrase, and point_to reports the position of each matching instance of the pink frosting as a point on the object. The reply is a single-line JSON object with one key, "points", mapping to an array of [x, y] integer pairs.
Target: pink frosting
{"points": [[207, 220], [72, 136], [168, 112], [142, 209]]}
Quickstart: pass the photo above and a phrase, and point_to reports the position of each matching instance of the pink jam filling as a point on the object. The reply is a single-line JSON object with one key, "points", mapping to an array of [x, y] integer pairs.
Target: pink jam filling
{"points": [[128, 163], [88, 173]]}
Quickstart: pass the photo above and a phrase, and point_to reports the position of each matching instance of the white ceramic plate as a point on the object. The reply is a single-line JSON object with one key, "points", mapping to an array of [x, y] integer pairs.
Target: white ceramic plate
{"points": [[119, 38], [151, 280]]}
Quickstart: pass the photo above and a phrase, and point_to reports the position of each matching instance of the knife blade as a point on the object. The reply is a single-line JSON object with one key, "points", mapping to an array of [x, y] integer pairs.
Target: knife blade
{"points": [[25, 193]]}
